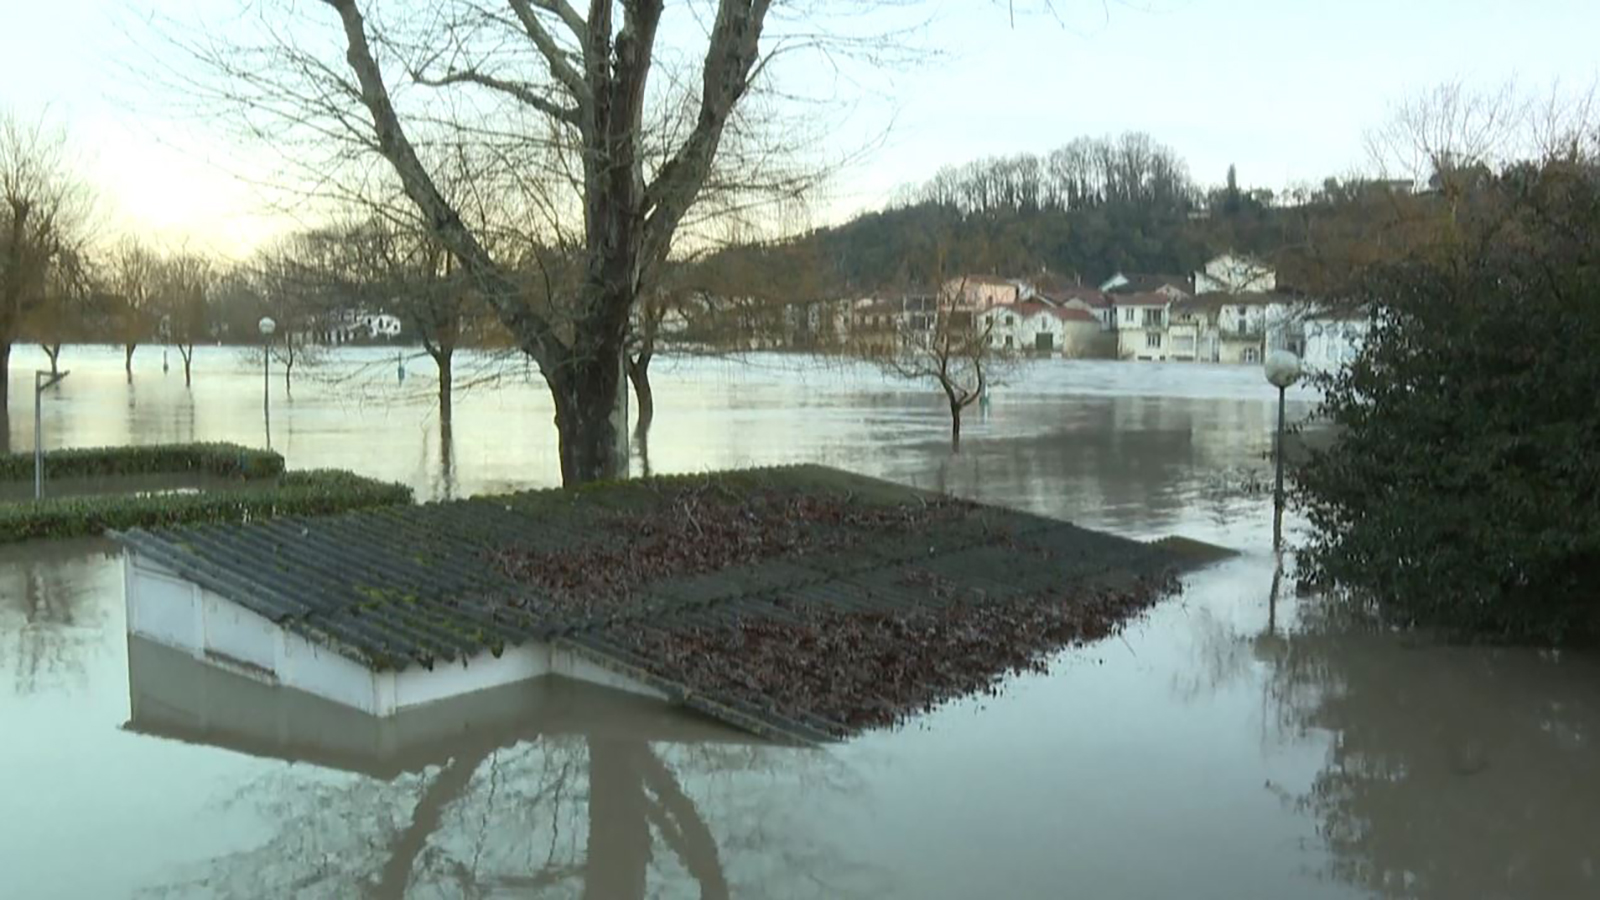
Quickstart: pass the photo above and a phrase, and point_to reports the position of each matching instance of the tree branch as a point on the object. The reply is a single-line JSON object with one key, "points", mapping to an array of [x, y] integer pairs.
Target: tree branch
{"points": [[443, 220], [730, 58], [518, 90], [553, 54]]}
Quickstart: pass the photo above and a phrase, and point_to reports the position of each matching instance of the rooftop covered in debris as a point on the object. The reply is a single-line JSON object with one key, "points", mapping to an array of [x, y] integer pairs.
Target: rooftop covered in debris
{"points": [[801, 603]]}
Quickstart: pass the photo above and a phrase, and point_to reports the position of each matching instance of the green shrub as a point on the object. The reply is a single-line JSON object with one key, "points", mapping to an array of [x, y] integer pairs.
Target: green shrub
{"points": [[225, 460], [310, 493], [1462, 489]]}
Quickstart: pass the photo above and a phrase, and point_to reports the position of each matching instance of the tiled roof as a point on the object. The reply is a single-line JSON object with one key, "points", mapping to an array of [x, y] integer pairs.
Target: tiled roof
{"points": [[1248, 298], [1144, 283], [1144, 299], [995, 280], [1033, 308], [1091, 296], [406, 586]]}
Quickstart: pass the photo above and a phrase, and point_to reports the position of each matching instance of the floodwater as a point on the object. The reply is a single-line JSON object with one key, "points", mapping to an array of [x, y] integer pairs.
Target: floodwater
{"points": [[1231, 745]]}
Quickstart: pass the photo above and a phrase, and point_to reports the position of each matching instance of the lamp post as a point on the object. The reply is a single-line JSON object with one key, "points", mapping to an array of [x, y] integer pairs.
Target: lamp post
{"points": [[1282, 369], [41, 380], [267, 327]]}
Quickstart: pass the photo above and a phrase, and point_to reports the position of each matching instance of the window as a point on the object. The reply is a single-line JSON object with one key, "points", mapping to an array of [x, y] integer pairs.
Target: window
{"points": [[1251, 355], [1008, 340], [1011, 320], [1128, 314], [1152, 318], [1152, 341]]}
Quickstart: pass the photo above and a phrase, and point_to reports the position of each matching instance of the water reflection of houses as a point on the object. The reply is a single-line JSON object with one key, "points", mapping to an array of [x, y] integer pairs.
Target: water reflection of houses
{"points": [[541, 759]]}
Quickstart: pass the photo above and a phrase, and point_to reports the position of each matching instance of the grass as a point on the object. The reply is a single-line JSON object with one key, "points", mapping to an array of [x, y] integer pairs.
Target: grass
{"points": [[225, 460], [309, 493]]}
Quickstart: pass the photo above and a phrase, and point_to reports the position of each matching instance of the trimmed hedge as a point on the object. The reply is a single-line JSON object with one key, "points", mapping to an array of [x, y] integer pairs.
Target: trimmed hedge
{"points": [[310, 493], [226, 460]]}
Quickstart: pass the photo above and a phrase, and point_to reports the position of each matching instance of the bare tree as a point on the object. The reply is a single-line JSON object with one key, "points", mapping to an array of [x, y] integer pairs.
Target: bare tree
{"points": [[1447, 129], [608, 145], [65, 309], [288, 281], [398, 265], [183, 304], [43, 207], [951, 346], [133, 273]]}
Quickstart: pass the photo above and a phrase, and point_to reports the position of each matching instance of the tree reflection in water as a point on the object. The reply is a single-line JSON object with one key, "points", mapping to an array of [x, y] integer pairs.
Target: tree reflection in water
{"points": [[583, 802], [49, 617], [1452, 771]]}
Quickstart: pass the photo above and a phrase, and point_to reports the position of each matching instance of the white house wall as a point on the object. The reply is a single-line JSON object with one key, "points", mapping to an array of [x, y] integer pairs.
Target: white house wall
{"points": [[1235, 275]]}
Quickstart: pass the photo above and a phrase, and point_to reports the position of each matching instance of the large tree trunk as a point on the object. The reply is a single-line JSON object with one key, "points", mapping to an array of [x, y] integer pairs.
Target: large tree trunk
{"points": [[187, 352], [5, 396], [639, 374], [127, 360], [441, 358], [591, 418], [955, 428], [5, 373], [447, 456], [54, 352]]}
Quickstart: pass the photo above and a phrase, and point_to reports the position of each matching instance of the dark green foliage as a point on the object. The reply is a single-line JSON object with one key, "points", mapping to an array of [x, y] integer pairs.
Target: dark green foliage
{"points": [[225, 460], [1463, 489], [309, 493]]}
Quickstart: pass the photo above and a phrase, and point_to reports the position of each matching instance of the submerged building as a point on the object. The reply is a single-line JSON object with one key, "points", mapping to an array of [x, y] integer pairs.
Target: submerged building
{"points": [[725, 593]]}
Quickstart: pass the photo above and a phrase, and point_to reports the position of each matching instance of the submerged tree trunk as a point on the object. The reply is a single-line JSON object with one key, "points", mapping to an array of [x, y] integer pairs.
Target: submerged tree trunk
{"points": [[588, 399], [5, 396], [187, 352], [441, 358], [955, 427], [127, 360], [447, 455], [54, 352], [5, 375], [639, 374]]}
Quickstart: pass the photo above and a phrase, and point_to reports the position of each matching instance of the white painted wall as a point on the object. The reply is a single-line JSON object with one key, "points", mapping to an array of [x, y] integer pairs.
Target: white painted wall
{"points": [[169, 610], [1232, 274]]}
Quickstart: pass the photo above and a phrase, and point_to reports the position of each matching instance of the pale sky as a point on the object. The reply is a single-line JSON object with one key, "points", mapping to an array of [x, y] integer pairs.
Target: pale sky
{"points": [[1282, 88]]}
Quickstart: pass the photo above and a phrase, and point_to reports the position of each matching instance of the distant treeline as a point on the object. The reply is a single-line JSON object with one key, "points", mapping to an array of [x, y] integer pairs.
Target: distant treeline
{"points": [[1090, 209]]}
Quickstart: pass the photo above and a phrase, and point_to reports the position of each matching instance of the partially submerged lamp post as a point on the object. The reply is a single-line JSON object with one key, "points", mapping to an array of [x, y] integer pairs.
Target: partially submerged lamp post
{"points": [[1282, 370], [267, 327], [41, 380]]}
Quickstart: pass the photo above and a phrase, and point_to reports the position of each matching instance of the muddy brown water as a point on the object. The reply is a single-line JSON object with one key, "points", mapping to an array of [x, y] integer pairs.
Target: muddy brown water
{"points": [[1230, 745]]}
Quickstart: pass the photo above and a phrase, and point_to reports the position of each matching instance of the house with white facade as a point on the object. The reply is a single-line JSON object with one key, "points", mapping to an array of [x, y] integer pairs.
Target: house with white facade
{"points": [[1235, 274], [972, 293], [1142, 326], [352, 325], [1043, 330]]}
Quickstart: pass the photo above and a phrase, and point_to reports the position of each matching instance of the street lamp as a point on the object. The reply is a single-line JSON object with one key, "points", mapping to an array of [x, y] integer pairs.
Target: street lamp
{"points": [[267, 327], [1282, 369], [41, 380]]}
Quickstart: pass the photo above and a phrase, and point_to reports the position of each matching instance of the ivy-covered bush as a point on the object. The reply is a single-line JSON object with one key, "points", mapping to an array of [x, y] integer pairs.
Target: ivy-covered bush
{"points": [[225, 460], [309, 493], [1463, 488]]}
